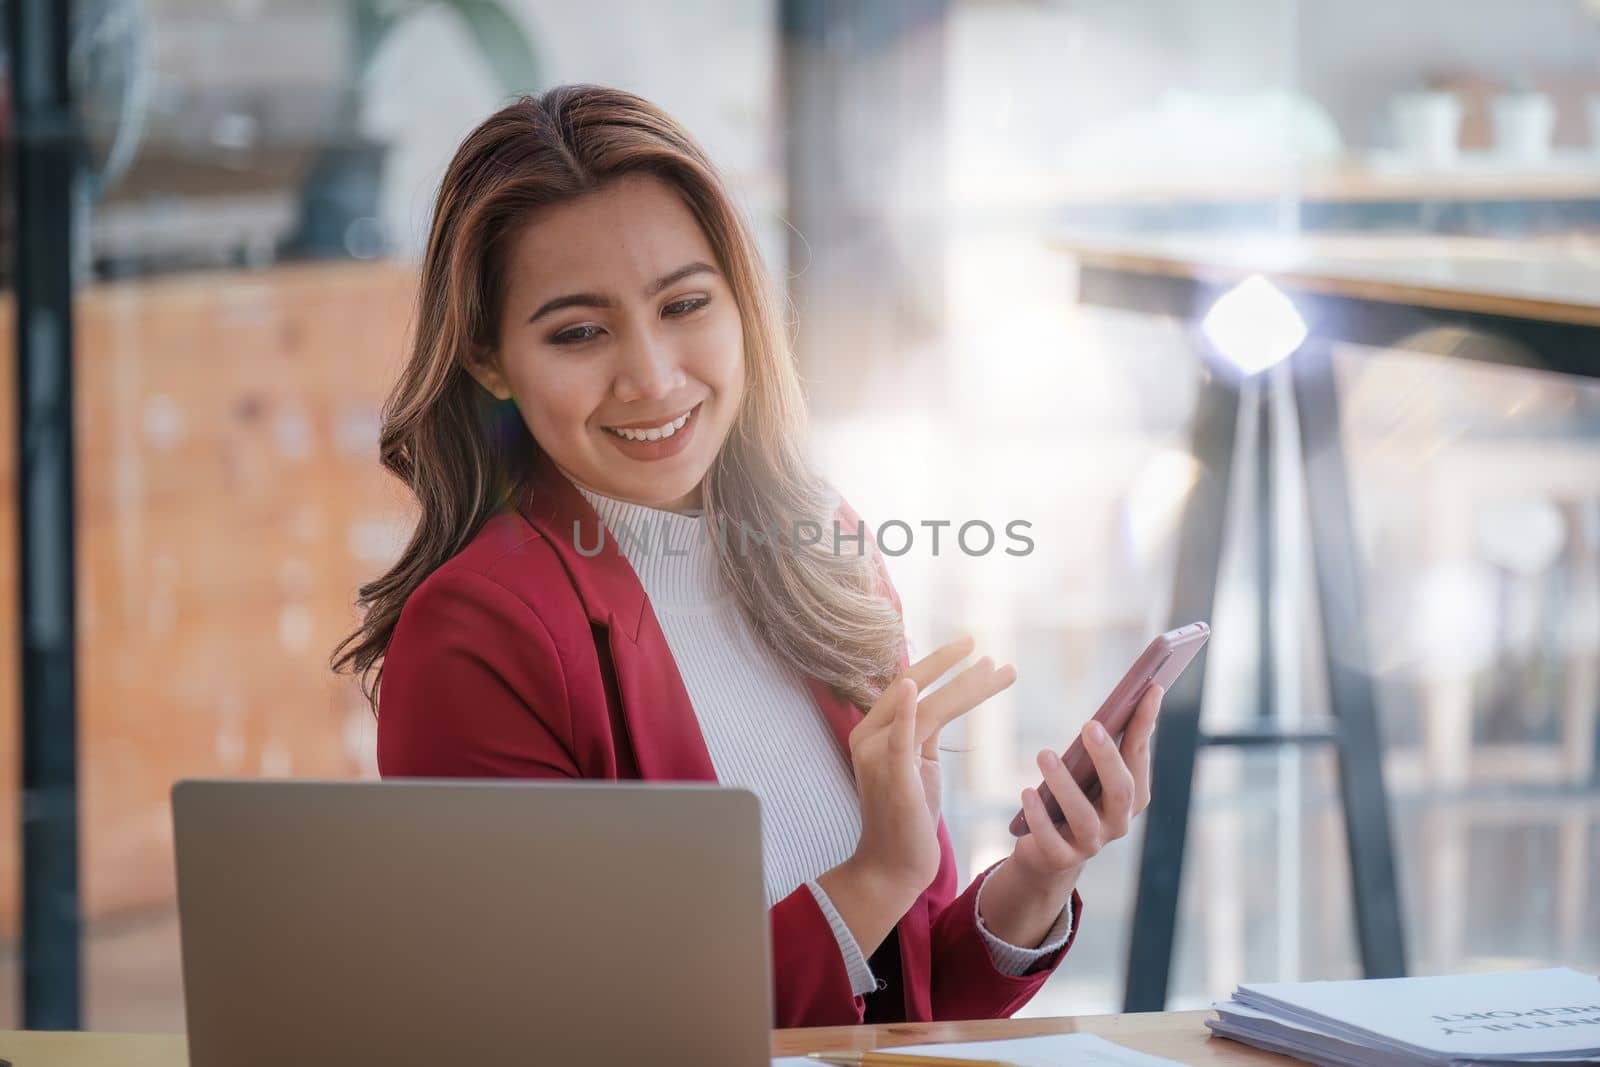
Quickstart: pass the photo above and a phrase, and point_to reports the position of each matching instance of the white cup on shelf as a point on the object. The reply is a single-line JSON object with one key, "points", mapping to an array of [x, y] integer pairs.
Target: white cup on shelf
{"points": [[1427, 126], [1523, 123]]}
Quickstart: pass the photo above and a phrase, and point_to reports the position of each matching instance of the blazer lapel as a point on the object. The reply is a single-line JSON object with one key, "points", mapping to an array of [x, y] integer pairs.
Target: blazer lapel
{"points": [[667, 742], [660, 719]]}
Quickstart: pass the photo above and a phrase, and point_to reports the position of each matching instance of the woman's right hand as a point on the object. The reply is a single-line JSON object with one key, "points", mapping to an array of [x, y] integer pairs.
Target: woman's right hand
{"points": [[895, 753]]}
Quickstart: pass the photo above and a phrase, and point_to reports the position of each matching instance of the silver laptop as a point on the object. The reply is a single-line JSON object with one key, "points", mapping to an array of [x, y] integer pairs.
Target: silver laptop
{"points": [[432, 923]]}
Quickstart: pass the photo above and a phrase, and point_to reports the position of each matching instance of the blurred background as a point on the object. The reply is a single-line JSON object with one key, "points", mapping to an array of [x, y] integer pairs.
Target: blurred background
{"points": [[969, 203]]}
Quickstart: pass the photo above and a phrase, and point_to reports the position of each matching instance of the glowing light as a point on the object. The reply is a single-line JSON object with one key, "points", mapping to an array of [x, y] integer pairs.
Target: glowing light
{"points": [[1254, 325]]}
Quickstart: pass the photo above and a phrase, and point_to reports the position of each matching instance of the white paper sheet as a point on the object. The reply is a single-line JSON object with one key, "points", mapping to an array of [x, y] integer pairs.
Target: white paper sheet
{"points": [[1051, 1050]]}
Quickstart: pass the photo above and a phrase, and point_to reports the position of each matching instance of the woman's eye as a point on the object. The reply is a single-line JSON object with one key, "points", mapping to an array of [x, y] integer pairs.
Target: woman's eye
{"points": [[693, 303], [574, 335], [677, 309]]}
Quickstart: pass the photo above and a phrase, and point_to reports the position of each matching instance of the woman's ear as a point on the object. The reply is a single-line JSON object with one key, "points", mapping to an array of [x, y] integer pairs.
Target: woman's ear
{"points": [[485, 370]]}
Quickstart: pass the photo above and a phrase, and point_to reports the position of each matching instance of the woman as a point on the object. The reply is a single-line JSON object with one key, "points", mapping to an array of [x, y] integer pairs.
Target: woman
{"points": [[598, 346]]}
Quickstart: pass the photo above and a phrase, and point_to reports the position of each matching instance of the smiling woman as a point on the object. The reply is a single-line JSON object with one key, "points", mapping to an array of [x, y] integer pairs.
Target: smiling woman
{"points": [[598, 342], [586, 270], [654, 335]]}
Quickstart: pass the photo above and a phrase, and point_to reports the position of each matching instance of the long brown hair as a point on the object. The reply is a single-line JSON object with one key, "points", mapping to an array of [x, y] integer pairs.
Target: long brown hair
{"points": [[466, 456]]}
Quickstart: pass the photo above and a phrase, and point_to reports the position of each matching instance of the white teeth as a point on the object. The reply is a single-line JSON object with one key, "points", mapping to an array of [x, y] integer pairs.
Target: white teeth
{"points": [[656, 434]]}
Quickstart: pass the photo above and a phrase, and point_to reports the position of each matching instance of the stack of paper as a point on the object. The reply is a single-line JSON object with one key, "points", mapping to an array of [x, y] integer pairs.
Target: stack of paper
{"points": [[1522, 1017]]}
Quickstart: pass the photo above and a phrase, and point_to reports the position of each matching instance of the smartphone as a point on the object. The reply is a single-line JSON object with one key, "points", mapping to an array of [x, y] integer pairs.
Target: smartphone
{"points": [[1160, 664]]}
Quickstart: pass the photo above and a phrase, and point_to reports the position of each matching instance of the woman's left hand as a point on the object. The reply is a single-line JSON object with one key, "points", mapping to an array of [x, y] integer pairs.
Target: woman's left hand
{"points": [[1050, 853]]}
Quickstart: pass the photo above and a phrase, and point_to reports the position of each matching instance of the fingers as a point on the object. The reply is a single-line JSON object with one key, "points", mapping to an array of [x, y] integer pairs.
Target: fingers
{"points": [[1047, 839], [931, 668], [1116, 781], [903, 698], [924, 673], [880, 718], [966, 691], [1083, 821], [1143, 723], [1136, 745]]}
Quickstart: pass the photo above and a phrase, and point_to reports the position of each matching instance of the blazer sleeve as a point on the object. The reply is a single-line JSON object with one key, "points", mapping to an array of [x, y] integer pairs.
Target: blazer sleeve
{"points": [[472, 686], [810, 983], [966, 984]]}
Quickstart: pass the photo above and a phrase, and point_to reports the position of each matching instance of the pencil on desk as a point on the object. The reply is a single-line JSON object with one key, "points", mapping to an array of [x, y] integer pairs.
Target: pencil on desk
{"points": [[890, 1058]]}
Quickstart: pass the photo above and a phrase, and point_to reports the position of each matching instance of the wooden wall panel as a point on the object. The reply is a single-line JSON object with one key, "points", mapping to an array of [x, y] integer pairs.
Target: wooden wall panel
{"points": [[229, 503]]}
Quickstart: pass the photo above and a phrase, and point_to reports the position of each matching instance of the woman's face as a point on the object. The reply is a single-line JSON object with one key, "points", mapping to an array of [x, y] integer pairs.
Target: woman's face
{"points": [[616, 315]]}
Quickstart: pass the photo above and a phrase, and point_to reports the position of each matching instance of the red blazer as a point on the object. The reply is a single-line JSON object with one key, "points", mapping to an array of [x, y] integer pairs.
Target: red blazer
{"points": [[522, 658]]}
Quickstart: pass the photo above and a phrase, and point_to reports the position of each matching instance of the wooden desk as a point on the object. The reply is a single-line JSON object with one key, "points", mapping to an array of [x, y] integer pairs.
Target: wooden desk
{"points": [[1175, 1035], [1383, 179], [36, 1048], [1381, 194], [1552, 279]]}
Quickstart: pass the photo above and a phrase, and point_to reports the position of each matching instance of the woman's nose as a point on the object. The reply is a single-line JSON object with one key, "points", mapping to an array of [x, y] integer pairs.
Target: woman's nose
{"points": [[649, 370]]}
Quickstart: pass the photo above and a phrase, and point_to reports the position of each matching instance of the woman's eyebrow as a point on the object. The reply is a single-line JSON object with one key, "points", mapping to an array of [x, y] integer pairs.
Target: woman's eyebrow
{"points": [[598, 301]]}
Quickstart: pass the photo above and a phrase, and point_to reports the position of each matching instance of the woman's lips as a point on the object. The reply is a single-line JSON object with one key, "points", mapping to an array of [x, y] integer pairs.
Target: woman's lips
{"points": [[665, 420], [661, 448]]}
